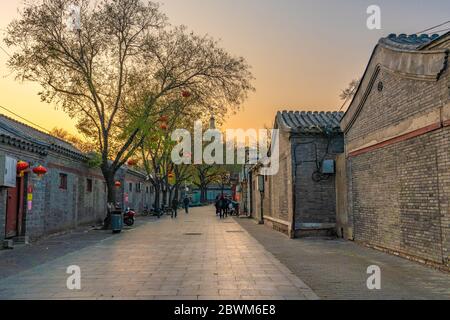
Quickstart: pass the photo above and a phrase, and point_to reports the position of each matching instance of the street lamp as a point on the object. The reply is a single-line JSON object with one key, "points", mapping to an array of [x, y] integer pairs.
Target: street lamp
{"points": [[261, 180]]}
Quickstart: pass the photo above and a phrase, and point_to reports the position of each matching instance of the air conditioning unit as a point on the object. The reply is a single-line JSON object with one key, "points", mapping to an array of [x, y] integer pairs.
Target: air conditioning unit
{"points": [[8, 171], [328, 167]]}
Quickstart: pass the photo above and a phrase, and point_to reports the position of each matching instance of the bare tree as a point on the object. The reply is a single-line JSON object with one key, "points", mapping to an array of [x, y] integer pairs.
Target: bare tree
{"points": [[116, 73], [348, 93], [77, 142]]}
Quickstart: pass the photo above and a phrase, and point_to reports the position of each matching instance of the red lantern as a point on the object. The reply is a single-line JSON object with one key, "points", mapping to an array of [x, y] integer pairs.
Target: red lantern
{"points": [[21, 167], [40, 171], [132, 162], [186, 94], [118, 184]]}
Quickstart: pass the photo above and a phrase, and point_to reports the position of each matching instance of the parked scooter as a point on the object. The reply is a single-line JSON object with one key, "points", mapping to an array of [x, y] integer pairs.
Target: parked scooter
{"points": [[233, 208], [129, 217]]}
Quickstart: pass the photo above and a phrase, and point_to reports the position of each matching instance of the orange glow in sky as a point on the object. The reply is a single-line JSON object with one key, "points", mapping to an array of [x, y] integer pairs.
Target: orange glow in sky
{"points": [[303, 52]]}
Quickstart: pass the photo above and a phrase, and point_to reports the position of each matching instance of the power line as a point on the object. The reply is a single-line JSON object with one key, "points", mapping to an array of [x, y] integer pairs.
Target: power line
{"points": [[443, 30], [24, 119], [439, 25], [343, 105]]}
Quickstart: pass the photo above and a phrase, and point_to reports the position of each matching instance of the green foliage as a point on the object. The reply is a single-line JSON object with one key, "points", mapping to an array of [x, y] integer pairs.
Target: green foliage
{"points": [[94, 160]]}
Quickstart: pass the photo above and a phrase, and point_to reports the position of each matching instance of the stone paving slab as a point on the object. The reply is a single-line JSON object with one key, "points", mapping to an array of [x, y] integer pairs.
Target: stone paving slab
{"points": [[337, 269], [196, 256]]}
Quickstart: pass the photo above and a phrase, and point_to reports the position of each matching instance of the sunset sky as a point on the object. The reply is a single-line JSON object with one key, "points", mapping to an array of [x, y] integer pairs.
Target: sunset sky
{"points": [[303, 52]]}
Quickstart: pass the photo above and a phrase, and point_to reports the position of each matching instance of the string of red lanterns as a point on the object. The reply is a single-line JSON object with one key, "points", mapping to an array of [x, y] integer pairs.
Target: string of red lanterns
{"points": [[23, 166]]}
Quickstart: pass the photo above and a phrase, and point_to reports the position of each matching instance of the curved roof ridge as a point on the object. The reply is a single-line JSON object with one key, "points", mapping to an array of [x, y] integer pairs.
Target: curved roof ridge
{"points": [[408, 42], [20, 129], [309, 121]]}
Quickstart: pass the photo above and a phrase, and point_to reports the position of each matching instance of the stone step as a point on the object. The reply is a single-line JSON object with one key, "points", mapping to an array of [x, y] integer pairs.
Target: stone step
{"points": [[8, 244], [22, 240]]}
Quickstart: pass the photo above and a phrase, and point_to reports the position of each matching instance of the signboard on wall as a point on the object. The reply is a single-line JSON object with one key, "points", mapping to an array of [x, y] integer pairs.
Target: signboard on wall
{"points": [[8, 171]]}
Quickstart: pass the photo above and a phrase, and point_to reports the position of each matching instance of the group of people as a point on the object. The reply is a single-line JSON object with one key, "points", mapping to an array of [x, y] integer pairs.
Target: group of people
{"points": [[226, 206], [175, 204]]}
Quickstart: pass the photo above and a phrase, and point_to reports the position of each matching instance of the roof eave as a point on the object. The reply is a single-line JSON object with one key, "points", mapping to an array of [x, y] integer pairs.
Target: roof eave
{"points": [[435, 64]]}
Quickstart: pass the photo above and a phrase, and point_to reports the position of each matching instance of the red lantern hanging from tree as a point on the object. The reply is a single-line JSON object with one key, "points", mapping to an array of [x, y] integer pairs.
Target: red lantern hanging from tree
{"points": [[40, 171], [132, 162], [118, 184], [21, 167]]}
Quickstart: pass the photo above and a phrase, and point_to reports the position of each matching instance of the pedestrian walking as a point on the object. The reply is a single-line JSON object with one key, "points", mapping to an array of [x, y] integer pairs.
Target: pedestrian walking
{"points": [[217, 205], [174, 208], [186, 203], [223, 207], [227, 206]]}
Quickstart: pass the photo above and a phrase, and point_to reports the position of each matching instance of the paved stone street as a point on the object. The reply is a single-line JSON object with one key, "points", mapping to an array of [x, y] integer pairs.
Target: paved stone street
{"points": [[196, 256], [336, 269]]}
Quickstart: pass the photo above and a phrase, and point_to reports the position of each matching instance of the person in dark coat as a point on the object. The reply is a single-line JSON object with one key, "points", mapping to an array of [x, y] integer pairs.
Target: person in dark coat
{"points": [[174, 208], [223, 207], [217, 205], [186, 203]]}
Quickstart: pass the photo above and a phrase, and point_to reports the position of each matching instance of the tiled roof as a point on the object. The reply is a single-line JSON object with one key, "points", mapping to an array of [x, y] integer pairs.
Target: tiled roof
{"points": [[18, 130], [309, 122], [408, 42]]}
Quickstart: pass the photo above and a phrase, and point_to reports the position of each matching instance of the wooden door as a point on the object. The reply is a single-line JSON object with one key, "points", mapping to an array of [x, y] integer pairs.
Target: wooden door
{"points": [[14, 209]]}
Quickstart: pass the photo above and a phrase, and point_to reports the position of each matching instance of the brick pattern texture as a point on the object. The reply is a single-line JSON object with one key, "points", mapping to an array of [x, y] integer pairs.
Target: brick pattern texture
{"points": [[399, 194]]}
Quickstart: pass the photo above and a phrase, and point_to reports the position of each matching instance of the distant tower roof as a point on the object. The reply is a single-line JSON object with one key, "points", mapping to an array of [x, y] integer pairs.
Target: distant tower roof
{"points": [[212, 123]]}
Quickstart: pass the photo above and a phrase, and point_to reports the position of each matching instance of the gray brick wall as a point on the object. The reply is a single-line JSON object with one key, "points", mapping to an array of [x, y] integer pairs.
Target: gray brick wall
{"points": [[315, 201], [398, 195], [137, 200], [397, 201], [401, 98], [278, 196], [55, 209]]}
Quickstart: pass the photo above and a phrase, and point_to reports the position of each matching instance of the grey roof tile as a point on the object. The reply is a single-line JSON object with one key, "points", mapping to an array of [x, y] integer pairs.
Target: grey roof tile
{"points": [[14, 128], [309, 122], [408, 42]]}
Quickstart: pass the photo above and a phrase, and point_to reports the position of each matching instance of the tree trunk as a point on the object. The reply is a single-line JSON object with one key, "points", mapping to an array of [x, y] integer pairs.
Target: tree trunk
{"points": [[177, 192], [157, 196], [109, 176], [203, 194], [164, 197], [170, 196]]}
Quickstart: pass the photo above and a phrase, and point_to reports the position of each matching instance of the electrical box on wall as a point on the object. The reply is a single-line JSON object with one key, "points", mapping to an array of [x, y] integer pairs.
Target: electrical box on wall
{"points": [[8, 171], [328, 167]]}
